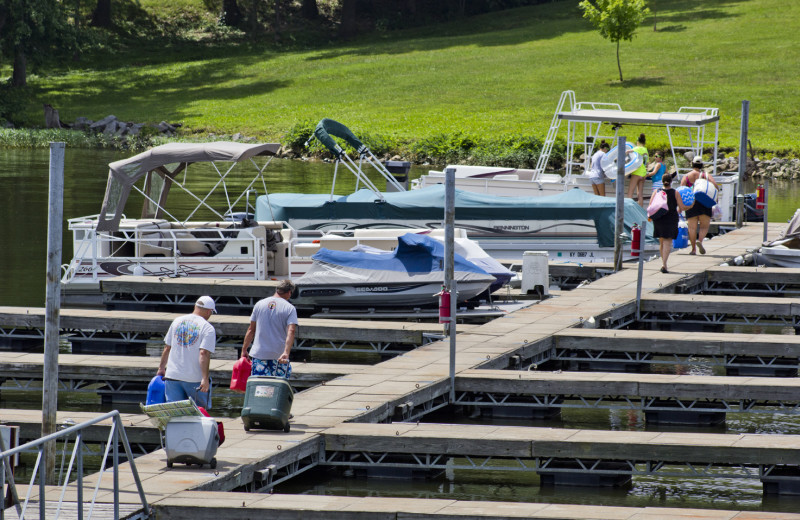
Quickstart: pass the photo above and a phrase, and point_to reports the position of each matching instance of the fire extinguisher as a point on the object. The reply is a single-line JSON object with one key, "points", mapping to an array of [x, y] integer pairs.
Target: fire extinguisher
{"points": [[760, 202], [444, 306], [636, 239]]}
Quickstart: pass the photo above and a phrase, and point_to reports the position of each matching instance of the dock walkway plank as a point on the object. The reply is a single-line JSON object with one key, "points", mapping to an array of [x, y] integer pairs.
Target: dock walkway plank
{"points": [[157, 324]]}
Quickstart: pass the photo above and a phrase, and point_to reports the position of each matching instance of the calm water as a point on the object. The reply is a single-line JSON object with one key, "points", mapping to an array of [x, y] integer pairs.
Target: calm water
{"points": [[24, 183], [24, 178]]}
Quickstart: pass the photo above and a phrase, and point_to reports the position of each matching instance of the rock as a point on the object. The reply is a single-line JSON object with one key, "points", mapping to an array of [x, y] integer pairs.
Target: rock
{"points": [[110, 128], [236, 137], [100, 125], [82, 123], [135, 128], [165, 127]]}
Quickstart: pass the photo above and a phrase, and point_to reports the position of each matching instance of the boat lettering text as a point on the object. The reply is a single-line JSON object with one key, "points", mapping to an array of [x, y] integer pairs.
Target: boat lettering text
{"points": [[372, 289], [232, 268], [512, 228]]}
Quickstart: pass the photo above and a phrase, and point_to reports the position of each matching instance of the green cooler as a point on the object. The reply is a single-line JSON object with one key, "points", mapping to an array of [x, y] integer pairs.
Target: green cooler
{"points": [[267, 403]]}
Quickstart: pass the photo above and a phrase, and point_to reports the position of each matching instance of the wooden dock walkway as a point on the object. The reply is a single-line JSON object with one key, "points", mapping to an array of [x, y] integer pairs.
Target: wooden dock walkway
{"points": [[112, 327], [656, 394], [103, 374], [342, 415]]}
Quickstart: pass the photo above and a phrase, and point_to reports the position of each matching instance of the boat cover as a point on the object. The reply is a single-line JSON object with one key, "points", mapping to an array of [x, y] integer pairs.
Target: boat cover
{"points": [[428, 203], [124, 174], [417, 257], [789, 237]]}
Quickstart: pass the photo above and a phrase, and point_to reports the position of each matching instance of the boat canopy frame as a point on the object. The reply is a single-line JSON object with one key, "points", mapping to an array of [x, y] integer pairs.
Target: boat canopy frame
{"points": [[585, 127], [154, 165], [325, 131]]}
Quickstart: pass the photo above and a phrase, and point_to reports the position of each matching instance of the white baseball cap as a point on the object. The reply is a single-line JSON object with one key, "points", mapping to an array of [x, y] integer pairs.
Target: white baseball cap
{"points": [[205, 302]]}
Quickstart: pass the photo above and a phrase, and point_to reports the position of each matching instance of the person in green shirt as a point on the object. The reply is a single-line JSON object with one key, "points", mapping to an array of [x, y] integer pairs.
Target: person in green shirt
{"points": [[638, 175]]}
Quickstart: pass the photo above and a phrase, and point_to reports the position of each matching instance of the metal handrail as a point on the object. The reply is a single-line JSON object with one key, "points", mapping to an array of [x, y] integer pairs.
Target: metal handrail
{"points": [[115, 436]]}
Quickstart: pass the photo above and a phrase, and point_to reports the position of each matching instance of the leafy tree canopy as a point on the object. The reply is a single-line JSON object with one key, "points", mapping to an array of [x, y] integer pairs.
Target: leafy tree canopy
{"points": [[616, 20]]}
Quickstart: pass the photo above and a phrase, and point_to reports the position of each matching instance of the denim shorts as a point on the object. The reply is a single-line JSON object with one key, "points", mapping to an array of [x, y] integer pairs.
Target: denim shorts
{"points": [[270, 367], [182, 390]]}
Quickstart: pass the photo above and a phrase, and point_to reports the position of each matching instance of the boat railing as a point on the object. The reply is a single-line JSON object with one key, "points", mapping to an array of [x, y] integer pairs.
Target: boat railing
{"points": [[116, 437], [157, 245]]}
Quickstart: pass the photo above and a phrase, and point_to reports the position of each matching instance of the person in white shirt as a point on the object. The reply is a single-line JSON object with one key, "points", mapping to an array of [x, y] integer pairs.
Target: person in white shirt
{"points": [[595, 173], [185, 361]]}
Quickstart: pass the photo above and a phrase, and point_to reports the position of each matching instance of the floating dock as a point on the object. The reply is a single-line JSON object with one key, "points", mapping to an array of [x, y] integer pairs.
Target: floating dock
{"points": [[344, 422]]}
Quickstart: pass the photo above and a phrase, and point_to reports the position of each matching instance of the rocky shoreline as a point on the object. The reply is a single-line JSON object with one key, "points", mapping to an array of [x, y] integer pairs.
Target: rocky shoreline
{"points": [[775, 168]]}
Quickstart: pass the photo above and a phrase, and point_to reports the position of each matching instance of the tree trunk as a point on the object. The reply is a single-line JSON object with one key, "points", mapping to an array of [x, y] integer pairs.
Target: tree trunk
{"points": [[231, 14], [310, 10], [655, 17], [101, 16], [51, 118], [277, 7], [618, 65], [348, 27], [18, 77]]}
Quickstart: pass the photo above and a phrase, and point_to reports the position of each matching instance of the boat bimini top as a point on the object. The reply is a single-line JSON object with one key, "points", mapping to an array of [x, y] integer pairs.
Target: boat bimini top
{"points": [[326, 130], [166, 162]]}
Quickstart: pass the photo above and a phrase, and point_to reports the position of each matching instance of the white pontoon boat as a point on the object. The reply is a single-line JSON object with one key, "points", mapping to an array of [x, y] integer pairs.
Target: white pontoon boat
{"points": [[587, 124]]}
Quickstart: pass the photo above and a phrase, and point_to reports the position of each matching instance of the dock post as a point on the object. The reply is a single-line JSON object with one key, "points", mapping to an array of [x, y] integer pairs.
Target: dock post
{"points": [[52, 307], [766, 206], [641, 269], [619, 211], [742, 156], [449, 267]]}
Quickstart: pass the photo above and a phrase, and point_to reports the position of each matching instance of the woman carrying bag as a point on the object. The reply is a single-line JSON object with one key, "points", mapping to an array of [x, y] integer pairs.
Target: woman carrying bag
{"points": [[665, 227], [698, 218]]}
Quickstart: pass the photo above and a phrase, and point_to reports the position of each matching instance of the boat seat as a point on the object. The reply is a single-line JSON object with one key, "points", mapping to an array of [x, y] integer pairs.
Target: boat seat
{"points": [[150, 241]]}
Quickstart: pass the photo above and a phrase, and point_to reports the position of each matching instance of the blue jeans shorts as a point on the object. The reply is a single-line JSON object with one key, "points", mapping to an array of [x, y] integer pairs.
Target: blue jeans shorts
{"points": [[182, 390], [270, 367]]}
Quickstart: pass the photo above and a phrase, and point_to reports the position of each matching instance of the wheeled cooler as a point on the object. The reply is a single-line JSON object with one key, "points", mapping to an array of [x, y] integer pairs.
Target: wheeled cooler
{"points": [[267, 403], [191, 440]]}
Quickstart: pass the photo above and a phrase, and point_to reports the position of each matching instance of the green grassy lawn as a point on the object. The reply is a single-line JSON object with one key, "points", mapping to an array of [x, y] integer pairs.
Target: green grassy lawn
{"points": [[493, 75]]}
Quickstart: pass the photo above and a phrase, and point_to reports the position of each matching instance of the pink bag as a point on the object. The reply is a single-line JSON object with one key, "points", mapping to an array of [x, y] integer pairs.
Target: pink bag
{"points": [[658, 205]]}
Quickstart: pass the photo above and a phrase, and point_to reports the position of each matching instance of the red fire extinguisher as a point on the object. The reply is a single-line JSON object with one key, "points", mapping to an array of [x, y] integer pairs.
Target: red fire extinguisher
{"points": [[636, 239], [760, 202], [444, 306]]}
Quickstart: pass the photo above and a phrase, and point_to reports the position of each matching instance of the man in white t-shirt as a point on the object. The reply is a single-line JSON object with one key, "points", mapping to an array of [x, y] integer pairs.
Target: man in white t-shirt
{"points": [[273, 325], [189, 343]]}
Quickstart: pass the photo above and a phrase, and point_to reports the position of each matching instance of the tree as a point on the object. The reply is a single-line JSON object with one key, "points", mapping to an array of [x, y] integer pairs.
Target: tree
{"points": [[101, 16], [616, 20], [347, 29], [310, 10], [32, 30]]}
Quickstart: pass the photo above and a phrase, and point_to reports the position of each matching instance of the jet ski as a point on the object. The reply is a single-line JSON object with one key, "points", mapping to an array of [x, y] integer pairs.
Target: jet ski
{"points": [[410, 276]]}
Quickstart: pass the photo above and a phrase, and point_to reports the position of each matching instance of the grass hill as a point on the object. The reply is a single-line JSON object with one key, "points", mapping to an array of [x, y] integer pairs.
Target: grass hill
{"points": [[490, 78]]}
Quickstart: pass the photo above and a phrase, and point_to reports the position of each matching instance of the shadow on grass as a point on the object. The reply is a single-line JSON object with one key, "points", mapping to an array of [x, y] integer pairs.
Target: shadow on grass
{"points": [[671, 28], [521, 25], [638, 82]]}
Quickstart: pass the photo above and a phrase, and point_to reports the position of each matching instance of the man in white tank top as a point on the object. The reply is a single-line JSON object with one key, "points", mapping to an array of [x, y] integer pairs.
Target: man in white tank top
{"points": [[273, 325]]}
